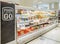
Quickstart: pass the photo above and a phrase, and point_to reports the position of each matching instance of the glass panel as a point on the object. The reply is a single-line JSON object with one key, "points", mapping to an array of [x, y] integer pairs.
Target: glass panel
{"points": [[29, 21]]}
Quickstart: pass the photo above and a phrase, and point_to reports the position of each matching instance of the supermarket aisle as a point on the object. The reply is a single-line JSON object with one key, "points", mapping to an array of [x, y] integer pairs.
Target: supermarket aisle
{"points": [[52, 37]]}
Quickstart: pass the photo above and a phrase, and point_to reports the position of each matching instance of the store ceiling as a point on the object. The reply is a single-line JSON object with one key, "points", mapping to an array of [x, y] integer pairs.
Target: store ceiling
{"points": [[30, 3], [49, 0], [46, 1]]}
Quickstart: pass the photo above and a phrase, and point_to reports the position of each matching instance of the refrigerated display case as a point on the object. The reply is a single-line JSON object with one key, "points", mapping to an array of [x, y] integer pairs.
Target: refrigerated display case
{"points": [[32, 23]]}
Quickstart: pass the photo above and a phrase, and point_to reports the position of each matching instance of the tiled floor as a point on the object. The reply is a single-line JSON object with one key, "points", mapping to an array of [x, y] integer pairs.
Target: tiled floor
{"points": [[52, 37]]}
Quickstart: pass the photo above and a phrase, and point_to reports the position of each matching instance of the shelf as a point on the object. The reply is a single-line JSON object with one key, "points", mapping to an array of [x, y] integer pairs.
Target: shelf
{"points": [[34, 34], [34, 25]]}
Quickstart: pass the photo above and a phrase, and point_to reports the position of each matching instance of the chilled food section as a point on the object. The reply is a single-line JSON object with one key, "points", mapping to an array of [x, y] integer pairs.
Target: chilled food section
{"points": [[22, 22], [32, 22]]}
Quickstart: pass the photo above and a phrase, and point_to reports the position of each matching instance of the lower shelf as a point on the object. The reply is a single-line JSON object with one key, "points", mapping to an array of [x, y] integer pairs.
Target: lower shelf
{"points": [[36, 33]]}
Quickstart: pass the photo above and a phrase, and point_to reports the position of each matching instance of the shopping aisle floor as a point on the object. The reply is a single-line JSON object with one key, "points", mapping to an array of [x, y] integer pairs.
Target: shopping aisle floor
{"points": [[52, 37]]}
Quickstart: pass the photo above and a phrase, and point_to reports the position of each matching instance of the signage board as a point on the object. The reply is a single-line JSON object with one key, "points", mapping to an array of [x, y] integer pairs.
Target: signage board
{"points": [[7, 22]]}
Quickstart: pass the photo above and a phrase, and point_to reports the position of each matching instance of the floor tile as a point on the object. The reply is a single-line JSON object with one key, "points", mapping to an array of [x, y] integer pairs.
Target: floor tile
{"points": [[42, 40]]}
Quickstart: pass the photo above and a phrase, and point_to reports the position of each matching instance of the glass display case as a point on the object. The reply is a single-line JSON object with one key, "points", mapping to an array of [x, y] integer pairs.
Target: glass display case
{"points": [[29, 21]]}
